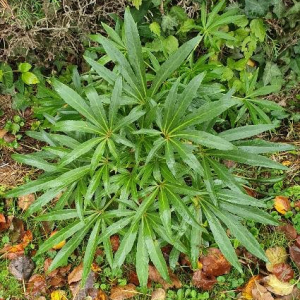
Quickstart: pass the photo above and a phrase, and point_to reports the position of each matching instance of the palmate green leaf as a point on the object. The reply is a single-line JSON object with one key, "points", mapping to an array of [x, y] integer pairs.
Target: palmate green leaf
{"points": [[135, 55], [249, 213], [90, 251], [58, 215], [170, 159], [142, 257], [247, 158], [79, 126], [206, 112], [241, 233], [61, 235], [107, 247], [126, 245], [32, 160], [134, 115], [205, 139], [260, 146], [64, 198], [224, 174], [42, 200], [102, 71], [79, 151], [75, 101], [154, 251], [113, 35], [156, 146], [71, 245], [184, 100], [221, 238], [115, 101], [182, 209], [116, 55], [187, 156], [94, 184], [97, 106], [172, 63], [98, 154], [208, 181], [196, 239], [244, 132], [165, 211]]}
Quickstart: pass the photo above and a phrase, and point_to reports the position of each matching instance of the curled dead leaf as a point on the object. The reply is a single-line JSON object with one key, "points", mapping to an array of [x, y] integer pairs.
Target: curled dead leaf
{"points": [[2, 133], [59, 245], [76, 274], [123, 292], [158, 294], [275, 255], [247, 290], [259, 292], [274, 285], [25, 201], [21, 267], [115, 242], [295, 254], [283, 272], [4, 224], [203, 281], [282, 204], [214, 263], [289, 231], [36, 286], [155, 277]]}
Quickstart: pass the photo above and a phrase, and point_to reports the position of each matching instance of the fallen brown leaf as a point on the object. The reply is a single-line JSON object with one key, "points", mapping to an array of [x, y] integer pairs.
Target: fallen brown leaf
{"points": [[282, 204], [123, 292], [36, 286], [25, 201], [214, 263], [21, 267], [76, 274], [88, 290], [16, 230], [115, 242], [133, 278], [283, 272], [259, 292], [295, 254], [295, 295], [288, 230], [2, 133], [275, 255], [155, 277], [203, 281], [4, 225], [101, 296], [158, 294], [247, 290], [274, 285], [297, 241]]}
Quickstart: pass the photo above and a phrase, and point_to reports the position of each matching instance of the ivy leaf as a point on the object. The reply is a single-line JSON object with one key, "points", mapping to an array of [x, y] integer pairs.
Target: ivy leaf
{"points": [[170, 44], [29, 78], [24, 67], [271, 71], [137, 3], [155, 28], [168, 23], [257, 26]]}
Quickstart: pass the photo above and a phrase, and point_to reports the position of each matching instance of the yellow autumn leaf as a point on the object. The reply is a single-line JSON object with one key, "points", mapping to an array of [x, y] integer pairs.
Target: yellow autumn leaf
{"points": [[282, 204], [59, 295], [275, 286], [59, 245], [275, 256], [247, 290]]}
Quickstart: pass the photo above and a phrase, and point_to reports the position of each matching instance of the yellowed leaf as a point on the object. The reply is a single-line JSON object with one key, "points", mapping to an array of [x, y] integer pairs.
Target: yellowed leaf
{"points": [[59, 245], [247, 290], [2, 133], [275, 256], [274, 285], [25, 201], [59, 295], [282, 204]]}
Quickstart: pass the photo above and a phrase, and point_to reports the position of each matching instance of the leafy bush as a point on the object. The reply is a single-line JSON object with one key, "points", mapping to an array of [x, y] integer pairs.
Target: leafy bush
{"points": [[145, 162]]}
